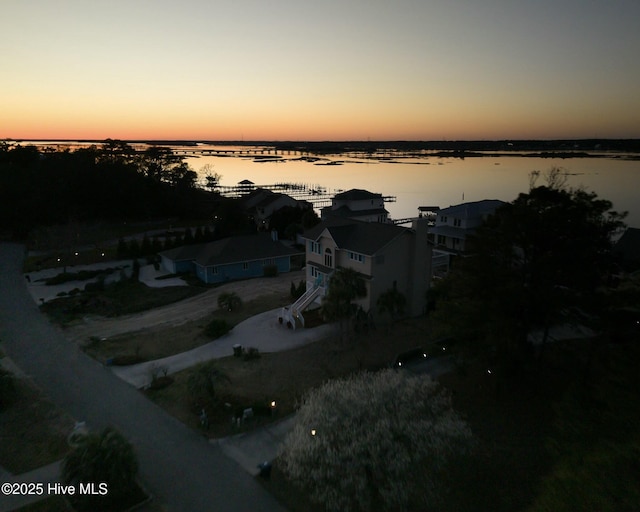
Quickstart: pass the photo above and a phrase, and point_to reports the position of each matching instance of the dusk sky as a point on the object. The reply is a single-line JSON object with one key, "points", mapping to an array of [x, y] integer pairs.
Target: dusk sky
{"points": [[330, 70]]}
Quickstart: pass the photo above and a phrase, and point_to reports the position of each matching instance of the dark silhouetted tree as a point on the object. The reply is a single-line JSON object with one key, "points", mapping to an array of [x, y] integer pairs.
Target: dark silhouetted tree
{"points": [[536, 263]]}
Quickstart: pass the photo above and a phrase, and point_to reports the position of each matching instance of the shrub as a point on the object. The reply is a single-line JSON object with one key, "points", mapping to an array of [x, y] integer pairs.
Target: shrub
{"points": [[105, 457], [217, 328], [251, 353], [229, 301]]}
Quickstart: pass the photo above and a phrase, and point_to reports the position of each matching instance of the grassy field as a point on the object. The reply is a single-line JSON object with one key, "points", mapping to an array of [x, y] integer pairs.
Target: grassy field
{"points": [[33, 430]]}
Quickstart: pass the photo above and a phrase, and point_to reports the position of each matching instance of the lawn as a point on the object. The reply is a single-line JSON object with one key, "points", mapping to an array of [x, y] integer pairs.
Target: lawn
{"points": [[34, 431], [286, 376]]}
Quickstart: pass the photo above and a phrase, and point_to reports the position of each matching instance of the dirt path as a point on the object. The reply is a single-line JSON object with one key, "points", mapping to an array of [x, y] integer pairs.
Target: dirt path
{"points": [[180, 312]]}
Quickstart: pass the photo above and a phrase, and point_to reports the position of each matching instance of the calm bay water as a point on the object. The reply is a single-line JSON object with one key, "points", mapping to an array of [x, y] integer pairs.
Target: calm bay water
{"points": [[434, 181]]}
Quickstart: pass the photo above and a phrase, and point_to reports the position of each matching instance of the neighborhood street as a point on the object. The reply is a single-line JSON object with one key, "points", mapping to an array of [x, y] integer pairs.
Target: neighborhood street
{"points": [[180, 468]]}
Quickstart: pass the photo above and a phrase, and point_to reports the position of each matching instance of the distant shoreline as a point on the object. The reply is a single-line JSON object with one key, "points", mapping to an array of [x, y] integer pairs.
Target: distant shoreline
{"points": [[561, 148]]}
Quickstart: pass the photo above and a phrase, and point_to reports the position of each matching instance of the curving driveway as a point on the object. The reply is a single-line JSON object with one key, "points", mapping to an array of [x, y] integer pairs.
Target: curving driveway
{"points": [[181, 469]]}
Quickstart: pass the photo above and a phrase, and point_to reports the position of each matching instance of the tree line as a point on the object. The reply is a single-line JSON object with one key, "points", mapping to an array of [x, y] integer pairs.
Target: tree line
{"points": [[111, 182]]}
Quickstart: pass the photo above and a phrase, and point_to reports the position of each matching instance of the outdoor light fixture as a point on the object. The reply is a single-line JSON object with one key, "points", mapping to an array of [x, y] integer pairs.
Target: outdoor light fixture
{"points": [[273, 404], [313, 431]]}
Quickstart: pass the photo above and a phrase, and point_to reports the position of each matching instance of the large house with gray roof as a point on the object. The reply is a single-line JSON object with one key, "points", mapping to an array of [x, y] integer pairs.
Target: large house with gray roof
{"points": [[228, 259], [385, 255]]}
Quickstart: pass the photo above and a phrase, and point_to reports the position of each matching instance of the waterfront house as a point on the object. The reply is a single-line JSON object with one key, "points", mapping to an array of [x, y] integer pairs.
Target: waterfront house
{"points": [[357, 204], [385, 256], [232, 258], [453, 225], [262, 203]]}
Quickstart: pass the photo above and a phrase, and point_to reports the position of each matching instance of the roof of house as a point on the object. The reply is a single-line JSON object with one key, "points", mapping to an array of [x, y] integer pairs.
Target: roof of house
{"points": [[183, 253], [357, 236], [233, 249], [473, 209], [345, 211], [356, 194]]}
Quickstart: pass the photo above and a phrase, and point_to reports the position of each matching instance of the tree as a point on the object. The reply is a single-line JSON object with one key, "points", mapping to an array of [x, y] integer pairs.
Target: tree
{"points": [[101, 457], [212, 178], [537, 262], [374, 439], [157, 163], [393, 302], [345, 286], [203, 381]]}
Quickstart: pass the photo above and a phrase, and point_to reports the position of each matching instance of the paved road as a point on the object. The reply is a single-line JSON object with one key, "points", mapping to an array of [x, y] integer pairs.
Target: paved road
{"points": [[183, 470]]}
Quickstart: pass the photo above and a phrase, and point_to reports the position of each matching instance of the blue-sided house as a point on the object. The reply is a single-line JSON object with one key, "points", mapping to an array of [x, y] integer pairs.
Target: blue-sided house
{"points": [[236, 257]]}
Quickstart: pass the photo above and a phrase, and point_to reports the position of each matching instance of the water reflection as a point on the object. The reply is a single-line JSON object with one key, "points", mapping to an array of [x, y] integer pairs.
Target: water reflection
{"points": [[437, 181]]}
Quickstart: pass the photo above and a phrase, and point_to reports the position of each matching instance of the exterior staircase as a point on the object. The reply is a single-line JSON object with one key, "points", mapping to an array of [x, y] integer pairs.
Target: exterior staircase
{"points": [[293, 313]]}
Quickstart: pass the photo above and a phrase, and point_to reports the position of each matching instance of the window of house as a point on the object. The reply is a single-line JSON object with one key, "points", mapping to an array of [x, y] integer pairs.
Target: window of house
{"points": [[245, 266], [356, 257], [314, 272], [457, 222], [456, 241], [442, 239], [328, 258], [214, 271], [314, 247]]}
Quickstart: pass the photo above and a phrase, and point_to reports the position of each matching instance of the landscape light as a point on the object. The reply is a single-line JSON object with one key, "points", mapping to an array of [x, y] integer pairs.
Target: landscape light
{"points": [[273, 404], [489, 372], [313, 431]]}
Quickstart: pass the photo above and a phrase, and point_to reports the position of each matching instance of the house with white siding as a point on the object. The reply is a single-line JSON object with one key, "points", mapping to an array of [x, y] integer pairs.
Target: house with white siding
{"points": [[385, 256]]}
